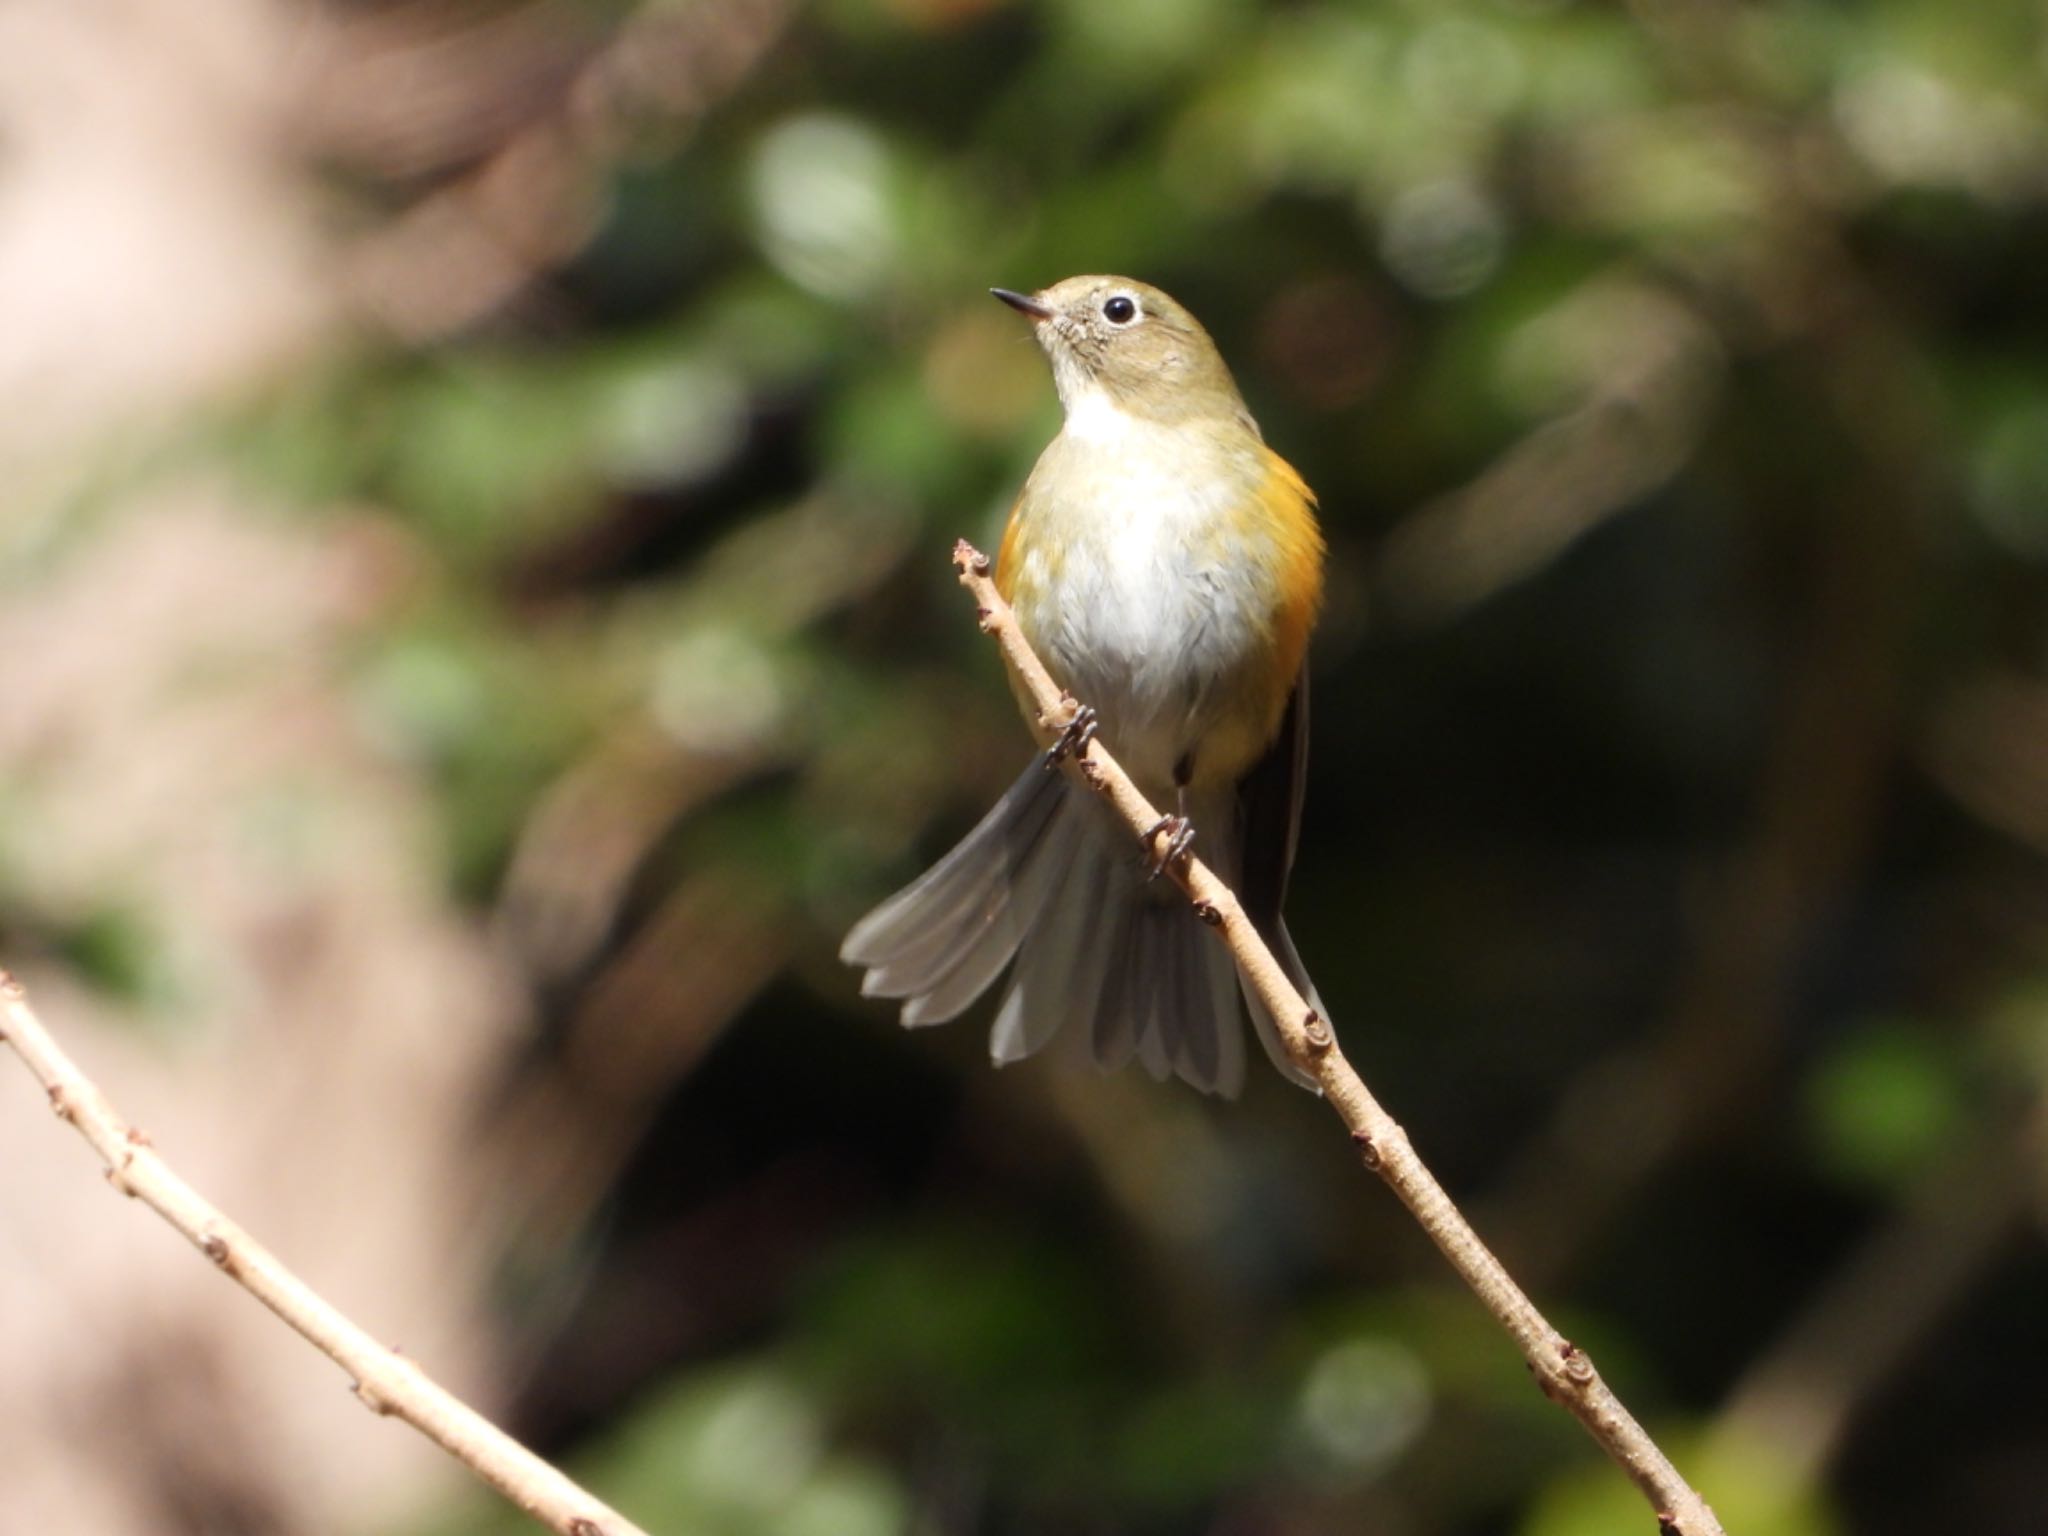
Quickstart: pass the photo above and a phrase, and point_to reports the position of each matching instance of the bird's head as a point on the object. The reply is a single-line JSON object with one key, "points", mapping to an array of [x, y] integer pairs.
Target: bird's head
{"points": [[1126, 344]]}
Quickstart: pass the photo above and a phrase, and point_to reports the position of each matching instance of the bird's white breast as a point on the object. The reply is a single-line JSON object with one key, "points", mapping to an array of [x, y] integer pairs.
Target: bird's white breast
{"points": [[1134, 577]]}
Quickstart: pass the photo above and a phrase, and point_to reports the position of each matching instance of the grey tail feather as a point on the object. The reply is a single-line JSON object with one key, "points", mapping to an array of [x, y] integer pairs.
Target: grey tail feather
{"points": [[1168, 994], [1282, 945], [1038, 880], [1063, 962], [1150, 981], [941, 940], [1113, 1024]]}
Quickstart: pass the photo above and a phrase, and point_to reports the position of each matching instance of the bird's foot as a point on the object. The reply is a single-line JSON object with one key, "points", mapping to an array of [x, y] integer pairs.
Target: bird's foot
{"points": [[1180, 838], [1079, 731]]}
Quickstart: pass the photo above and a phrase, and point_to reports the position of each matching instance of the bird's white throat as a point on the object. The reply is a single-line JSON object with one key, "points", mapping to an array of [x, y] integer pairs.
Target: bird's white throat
{"points": [[1093, 416]]}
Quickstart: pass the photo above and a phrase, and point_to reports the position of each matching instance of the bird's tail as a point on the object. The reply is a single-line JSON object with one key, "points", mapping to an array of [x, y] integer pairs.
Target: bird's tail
{"points": [[1049, 880]]}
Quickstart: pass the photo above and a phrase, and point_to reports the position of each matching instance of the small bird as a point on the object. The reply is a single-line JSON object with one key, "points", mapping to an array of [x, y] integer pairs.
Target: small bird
{"points": [[1166, 566]]}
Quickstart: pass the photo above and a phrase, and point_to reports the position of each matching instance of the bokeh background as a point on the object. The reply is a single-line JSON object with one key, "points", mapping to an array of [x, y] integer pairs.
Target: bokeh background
{"points": [[475, 627]]}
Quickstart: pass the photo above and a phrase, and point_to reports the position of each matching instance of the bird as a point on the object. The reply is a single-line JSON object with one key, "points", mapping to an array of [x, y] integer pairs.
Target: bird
{"points": [[1167, 567]]}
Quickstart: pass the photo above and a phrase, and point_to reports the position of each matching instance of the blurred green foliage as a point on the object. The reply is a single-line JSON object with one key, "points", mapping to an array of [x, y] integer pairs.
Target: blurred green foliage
{"points": [[1674, 380], [1885, 1103]]}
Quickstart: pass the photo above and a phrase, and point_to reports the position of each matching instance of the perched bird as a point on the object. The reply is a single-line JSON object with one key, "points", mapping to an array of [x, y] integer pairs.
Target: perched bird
{"points": [[1166, 566]]}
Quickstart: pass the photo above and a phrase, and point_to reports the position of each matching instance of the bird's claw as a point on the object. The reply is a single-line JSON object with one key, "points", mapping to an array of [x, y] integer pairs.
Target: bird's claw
{"points": [[1180, 837], [1077, 733]]}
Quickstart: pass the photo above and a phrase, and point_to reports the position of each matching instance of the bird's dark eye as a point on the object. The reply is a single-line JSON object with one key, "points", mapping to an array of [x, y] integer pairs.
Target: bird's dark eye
{"points": [[1120, 310]]}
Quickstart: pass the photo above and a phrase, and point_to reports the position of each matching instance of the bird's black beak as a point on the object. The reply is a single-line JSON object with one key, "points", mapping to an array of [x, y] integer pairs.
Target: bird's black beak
{"points": [[1023, 303]]}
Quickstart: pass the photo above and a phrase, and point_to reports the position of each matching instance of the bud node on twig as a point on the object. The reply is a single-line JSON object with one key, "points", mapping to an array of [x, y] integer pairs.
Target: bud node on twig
{"points": [[1318, 1033], [118, 1177], [11, 991], [582, 1527], [217, 1248], [1578, 1366], [1209, 913], [1368, 1149]]}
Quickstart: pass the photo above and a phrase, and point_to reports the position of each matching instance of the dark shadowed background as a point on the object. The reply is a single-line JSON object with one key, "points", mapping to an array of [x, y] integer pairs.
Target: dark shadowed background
{"points": [[476, 626]]}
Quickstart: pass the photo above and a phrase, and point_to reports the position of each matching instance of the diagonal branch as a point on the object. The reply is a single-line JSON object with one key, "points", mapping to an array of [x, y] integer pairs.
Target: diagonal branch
{"points": [[385, 1380], [1561, 1369]]}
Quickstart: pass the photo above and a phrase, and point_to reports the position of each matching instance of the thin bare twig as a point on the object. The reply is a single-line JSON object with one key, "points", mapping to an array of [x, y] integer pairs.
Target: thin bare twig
{"points": [[385, 1380], [1561, 1368]]}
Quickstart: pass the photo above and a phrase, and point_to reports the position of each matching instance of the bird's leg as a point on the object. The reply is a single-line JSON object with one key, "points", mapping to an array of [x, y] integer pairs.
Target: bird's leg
{"points": [[1079, 731], [1180, 832]]}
